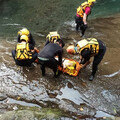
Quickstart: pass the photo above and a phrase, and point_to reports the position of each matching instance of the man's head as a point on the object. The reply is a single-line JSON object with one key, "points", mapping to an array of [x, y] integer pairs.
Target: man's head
{"points": [[71, 49], [24, 38], [91, 2], [61, 43]]}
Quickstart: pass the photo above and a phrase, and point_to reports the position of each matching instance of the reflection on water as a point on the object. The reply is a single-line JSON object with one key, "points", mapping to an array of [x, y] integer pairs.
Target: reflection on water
{"points": [[113, 74], [9, 24], [70, 94], [103, 114], [13, 101]]}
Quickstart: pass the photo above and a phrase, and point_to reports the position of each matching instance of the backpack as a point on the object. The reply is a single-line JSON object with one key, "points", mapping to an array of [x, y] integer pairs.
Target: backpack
{"points": [[23, 51]]}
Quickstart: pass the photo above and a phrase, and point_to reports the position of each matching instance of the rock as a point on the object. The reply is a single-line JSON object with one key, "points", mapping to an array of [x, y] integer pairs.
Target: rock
{"points": [[2, 97]]}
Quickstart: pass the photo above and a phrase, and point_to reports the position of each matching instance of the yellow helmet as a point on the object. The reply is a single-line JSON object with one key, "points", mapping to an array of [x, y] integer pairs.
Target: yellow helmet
{"points": [[91, 1], [24, 37], [24, 31], [85, 3], [53, 36]]}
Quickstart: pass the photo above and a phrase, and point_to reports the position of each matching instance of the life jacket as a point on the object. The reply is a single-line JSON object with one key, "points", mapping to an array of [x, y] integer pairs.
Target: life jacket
{"points": [[81, 9], [89, 43], [23, 51], [70, 65], [72, 69], [53, 36]]}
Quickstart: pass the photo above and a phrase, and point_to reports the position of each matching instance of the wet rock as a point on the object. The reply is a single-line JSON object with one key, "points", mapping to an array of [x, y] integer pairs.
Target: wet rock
{"points": [[52, 94], [3, 97], [76, 109], [70, 85], [3, 106], [15, 108]]}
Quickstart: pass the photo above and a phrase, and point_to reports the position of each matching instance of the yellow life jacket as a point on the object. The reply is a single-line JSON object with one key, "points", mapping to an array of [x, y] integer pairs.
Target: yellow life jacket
{"points": [[53, 36], [81, 9], [23, 51], [89, 43]]}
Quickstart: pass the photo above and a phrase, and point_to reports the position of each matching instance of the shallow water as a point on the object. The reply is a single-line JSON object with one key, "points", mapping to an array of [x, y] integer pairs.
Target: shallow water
{"points": [[42, 16]]}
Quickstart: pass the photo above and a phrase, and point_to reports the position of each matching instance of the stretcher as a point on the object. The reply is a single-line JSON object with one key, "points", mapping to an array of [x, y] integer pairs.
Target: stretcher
{"points": [[69, 69]]}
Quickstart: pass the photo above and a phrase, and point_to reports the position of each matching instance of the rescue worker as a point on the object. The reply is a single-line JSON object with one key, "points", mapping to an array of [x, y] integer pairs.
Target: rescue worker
{"points": [[87, 48], [52, 37], [46, 56], [26, 32], [81, 16], [25, 53]]}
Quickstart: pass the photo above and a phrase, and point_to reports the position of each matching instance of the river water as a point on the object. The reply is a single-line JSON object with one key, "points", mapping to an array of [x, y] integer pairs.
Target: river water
{"points": [[80, 97]]}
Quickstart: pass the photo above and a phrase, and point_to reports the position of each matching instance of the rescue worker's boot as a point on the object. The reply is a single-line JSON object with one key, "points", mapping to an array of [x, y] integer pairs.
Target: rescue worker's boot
{"points": [[94, 69], [91, 77], [43, 70]]}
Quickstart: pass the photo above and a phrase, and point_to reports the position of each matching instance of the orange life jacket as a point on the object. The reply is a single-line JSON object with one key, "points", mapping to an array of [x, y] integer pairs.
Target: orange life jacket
{"points": [[71, 71]]}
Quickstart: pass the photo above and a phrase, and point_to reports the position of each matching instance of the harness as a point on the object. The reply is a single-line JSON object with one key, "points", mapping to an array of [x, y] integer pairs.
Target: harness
{"points": [[89, 43], [81, 9], [23, 51]]}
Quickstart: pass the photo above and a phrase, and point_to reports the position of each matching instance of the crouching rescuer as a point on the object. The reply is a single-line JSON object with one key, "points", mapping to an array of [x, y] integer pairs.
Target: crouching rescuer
{"points": [[24, 53], [88, 48], [47, 55]]}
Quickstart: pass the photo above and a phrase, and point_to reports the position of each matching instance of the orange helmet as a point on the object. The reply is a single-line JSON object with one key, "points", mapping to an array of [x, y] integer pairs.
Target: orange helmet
{"points": [[71, 49]]}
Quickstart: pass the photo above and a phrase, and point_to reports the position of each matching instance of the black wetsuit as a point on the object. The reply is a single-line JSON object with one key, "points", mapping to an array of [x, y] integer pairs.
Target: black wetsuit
{"points": [[47, 57], [27, 62], [80, 25], [47, 42], [97, 58]]}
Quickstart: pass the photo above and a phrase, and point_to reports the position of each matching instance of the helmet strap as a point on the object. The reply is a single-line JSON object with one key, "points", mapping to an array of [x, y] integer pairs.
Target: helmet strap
{"points": [[75, 48]]}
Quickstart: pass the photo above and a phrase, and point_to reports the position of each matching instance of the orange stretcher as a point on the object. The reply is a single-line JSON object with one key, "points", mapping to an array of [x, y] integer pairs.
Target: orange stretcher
{"points": [[74, 71]]}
